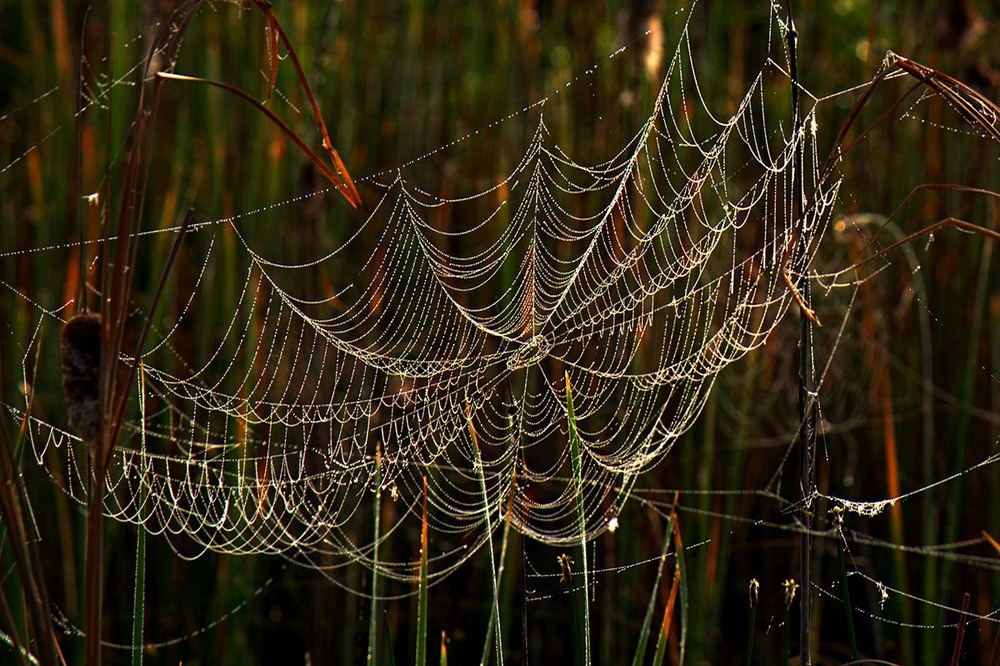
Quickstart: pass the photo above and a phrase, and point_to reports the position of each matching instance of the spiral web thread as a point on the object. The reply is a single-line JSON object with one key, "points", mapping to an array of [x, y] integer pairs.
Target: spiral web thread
{"points": [[636, 280]]}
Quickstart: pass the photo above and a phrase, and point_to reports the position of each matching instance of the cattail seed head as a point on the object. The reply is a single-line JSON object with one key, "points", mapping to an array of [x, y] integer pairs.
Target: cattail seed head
{"points": [[81, 368]]}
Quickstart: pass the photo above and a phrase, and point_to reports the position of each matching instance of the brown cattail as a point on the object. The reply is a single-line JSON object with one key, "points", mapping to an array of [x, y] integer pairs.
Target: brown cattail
{"points": [[81, 367]]}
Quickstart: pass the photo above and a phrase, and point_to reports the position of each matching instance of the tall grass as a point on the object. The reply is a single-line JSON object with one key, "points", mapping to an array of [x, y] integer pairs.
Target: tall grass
{"points": [[394, 84]]}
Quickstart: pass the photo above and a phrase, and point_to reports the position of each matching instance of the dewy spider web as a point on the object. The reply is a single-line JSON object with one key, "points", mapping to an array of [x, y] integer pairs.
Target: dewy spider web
{"points": [[635, 280]]}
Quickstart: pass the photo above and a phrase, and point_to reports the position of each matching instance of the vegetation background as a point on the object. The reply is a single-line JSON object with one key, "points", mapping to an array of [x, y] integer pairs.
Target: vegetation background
{"points": [[912, 397]]}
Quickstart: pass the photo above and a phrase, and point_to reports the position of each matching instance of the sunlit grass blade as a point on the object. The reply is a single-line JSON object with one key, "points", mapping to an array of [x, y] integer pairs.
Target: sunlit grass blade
{"points": [[668, 613], [444, 649], [682, 574], [574, 447]]}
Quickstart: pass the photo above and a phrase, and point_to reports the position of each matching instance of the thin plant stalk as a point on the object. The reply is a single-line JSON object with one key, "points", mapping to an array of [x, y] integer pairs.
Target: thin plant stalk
{"points": [[668, 613], [111, 418], [421, 657], [494, 623], [12, 639], [661, 642], [956, 655], [807, 430], [682, 574], [501, 567], [963, 423], [373, 613], [679, 584], [845, 590], [574, 447], [26, 558], [647, 622], [139, 598]]}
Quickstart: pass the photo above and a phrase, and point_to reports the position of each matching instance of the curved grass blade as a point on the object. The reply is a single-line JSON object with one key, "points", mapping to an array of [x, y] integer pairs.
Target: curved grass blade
{"points": [[345, 187], [344, 183]]}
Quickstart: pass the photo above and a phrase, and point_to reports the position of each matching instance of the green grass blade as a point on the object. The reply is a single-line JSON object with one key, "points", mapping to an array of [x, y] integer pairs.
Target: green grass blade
{"points": [[963, 424], [679, 584], [388, 638], [682, 574], [661, 642], [493, 629], [574, 445], [139, 603], [139, 598], [647, 622], [846, 592]]}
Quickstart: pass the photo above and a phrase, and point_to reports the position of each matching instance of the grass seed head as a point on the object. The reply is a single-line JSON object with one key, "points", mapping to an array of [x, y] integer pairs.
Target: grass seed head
{"points": [[81, 368]]}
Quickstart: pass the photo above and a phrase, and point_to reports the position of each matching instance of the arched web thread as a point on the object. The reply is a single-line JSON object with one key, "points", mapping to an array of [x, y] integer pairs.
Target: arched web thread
{"points": [[639, 278]]}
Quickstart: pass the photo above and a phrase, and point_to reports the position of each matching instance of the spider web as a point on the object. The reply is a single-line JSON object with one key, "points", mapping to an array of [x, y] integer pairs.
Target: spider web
{"points": [[445, 353], [437, 339]]}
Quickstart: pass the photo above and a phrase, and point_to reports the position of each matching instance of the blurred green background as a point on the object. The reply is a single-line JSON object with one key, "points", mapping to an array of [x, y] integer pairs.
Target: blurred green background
{"points": [[911, 396]]}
